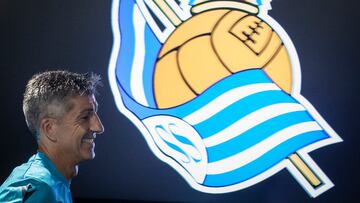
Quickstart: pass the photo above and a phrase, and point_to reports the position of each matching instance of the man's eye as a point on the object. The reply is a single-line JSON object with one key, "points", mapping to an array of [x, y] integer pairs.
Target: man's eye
{"points": [[85, 117], [88, 116]]}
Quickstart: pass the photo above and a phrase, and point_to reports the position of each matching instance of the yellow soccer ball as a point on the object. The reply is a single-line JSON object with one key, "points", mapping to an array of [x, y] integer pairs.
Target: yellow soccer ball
{"points": [[213, 45]]}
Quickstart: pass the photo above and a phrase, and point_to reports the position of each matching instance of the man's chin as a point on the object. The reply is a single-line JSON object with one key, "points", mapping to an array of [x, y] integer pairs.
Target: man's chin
{"points": [[88, 152], [88, 155]]}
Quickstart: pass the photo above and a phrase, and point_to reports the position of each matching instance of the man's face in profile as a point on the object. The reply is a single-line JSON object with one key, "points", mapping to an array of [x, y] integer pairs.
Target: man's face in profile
{"points": [[78, 128]]}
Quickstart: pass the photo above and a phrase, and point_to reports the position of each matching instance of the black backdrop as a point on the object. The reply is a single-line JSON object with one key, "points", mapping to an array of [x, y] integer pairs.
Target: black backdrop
{"points": [[37, 35]]}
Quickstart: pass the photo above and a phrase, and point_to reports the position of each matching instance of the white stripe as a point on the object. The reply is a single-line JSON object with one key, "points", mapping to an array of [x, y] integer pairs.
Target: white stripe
{"points": [[261, 148], [227, 99], [251, 120], [136, 78], [149, 5]]}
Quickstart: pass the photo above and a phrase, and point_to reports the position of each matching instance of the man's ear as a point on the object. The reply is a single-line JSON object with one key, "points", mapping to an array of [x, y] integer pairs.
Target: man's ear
{"points": [[48, 127]]}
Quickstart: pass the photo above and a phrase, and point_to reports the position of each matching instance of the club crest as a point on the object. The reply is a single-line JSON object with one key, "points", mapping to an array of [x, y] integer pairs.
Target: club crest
{"points": [[214, 88]]}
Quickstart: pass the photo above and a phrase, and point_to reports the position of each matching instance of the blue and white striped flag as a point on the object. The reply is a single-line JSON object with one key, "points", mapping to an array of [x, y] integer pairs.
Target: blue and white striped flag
{"points": [[246, 125], [263, 126]]}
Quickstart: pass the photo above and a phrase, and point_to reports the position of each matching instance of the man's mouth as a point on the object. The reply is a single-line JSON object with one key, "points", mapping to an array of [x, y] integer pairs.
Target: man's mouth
{"points": [[89, 139]]}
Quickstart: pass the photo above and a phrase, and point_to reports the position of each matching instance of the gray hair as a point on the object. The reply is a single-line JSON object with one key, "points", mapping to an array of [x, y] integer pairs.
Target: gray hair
{"points": [[54, 87]]}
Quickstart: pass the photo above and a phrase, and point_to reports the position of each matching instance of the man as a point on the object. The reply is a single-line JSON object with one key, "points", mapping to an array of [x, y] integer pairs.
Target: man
{"points": [[61, 111]]}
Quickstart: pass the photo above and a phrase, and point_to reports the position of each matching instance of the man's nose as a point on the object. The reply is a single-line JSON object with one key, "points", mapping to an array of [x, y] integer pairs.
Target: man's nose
{"points": [[96, 125]]}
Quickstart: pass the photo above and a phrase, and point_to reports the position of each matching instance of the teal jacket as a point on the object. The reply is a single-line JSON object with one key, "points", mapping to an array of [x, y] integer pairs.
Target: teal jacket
{"points": [[38, 180]]}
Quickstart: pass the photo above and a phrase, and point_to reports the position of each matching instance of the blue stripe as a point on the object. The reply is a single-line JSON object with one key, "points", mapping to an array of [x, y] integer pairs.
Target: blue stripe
{"points": [[126, 53], [240, 109], [152, 47], [127, 49], [137, 109], [266, 161], [191, 2], [255, 135]]}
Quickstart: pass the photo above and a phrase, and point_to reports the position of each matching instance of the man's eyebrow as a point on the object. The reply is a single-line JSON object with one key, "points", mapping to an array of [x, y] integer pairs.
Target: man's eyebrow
{"points": [[87, 110]]}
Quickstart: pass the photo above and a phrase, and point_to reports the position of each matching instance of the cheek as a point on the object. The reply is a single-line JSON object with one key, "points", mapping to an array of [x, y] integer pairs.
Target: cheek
{"points": [[74, 135], [79, 130], [80, 133]]}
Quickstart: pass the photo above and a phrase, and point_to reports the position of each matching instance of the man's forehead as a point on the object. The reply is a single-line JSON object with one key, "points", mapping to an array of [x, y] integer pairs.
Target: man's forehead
{"points": [[78, 103]]}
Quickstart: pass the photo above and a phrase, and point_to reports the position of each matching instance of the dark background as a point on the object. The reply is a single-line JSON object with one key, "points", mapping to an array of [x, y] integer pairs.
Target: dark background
{"points": [[38, 35]]}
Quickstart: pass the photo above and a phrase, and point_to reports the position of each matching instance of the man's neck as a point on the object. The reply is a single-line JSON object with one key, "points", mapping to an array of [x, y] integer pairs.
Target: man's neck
{"points": [[66, 167]]}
